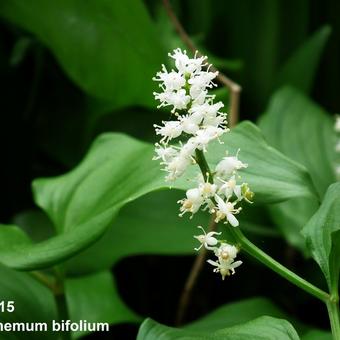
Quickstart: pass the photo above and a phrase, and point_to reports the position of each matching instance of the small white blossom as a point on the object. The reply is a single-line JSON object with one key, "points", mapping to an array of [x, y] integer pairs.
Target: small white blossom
{"points": [[337, 123], [207, 189], [171, 129], [171, 81], [166, 154], [226, 210], [187, 65], [203, 80], [228, 166], [226, 254], [230, 187], [189, 124], [205, 136], [176, 167], [192, 202], [207, 239], [225, 267]]}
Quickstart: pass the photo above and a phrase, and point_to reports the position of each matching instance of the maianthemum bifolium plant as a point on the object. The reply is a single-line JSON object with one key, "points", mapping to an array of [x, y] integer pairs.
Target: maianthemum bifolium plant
{"points": [[197, 121]]}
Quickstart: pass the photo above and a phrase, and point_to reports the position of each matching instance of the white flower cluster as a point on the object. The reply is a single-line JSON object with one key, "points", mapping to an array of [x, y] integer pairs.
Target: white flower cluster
{"points": [[184, 141], [337, 146], [225, 253], [197, 117]]}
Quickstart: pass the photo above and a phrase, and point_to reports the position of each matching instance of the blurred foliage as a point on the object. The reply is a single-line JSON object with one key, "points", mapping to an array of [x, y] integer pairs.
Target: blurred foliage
{"points": [[72, 70]]}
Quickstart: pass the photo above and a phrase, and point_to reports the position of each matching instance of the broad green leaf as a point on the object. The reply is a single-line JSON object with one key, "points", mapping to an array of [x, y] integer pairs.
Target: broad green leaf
{"points": [[33, 303], [35, 223], [94, 298], [149, 225], [137, 231], [317, 335], [239, 312], [322, 235], [304, 132], [96, 43], [300, 69], [82, 203], [118, 169], [261, 328], [272, 176], [290, 216]]}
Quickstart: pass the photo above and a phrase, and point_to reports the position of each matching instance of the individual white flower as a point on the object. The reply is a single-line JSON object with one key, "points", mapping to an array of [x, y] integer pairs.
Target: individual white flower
{"points": [[178, 99], [171, 80], [187, 65], [203, 80], [225, 267], [226, 210], [230, 187], [166, 154], [207, 239], [189, 124], [171, 129], [337, 123], [192, 202], [207, 189], [214, 117], [228, 166], [226, 252], [206, 135], [177, 167], [188, 149]]}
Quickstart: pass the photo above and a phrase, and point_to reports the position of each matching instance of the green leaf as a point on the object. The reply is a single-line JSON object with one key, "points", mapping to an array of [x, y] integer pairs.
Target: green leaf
{"points": [[149, 225], [96, 43], [317, 335], [136, 231], [94, 298], [261, 328], [118, 169], [290, 216], [35, 223], [322, 235], [33, 303], [240, 312], [304, 132], [300, 69]]}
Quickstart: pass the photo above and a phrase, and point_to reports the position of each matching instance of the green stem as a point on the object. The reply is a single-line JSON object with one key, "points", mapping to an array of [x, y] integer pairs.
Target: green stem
{"points": [[334, 317], [61, 302], [203, 164], [277, 267]]}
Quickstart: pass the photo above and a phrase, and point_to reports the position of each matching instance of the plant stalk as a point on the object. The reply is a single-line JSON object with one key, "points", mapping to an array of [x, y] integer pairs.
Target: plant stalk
{"points": [[334, 317], [204, 167], [61, 303]]}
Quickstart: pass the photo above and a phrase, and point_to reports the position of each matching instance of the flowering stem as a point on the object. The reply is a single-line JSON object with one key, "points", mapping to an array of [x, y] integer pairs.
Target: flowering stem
{"points": [[277, 267], [203, 164], [200, 258]]}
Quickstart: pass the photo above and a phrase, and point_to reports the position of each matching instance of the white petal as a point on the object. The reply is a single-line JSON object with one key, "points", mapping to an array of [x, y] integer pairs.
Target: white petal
{"points": [[232, 220]]}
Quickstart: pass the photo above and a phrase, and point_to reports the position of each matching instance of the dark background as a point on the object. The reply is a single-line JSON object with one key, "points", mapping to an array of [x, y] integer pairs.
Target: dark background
{"points": [[42, 133]]}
